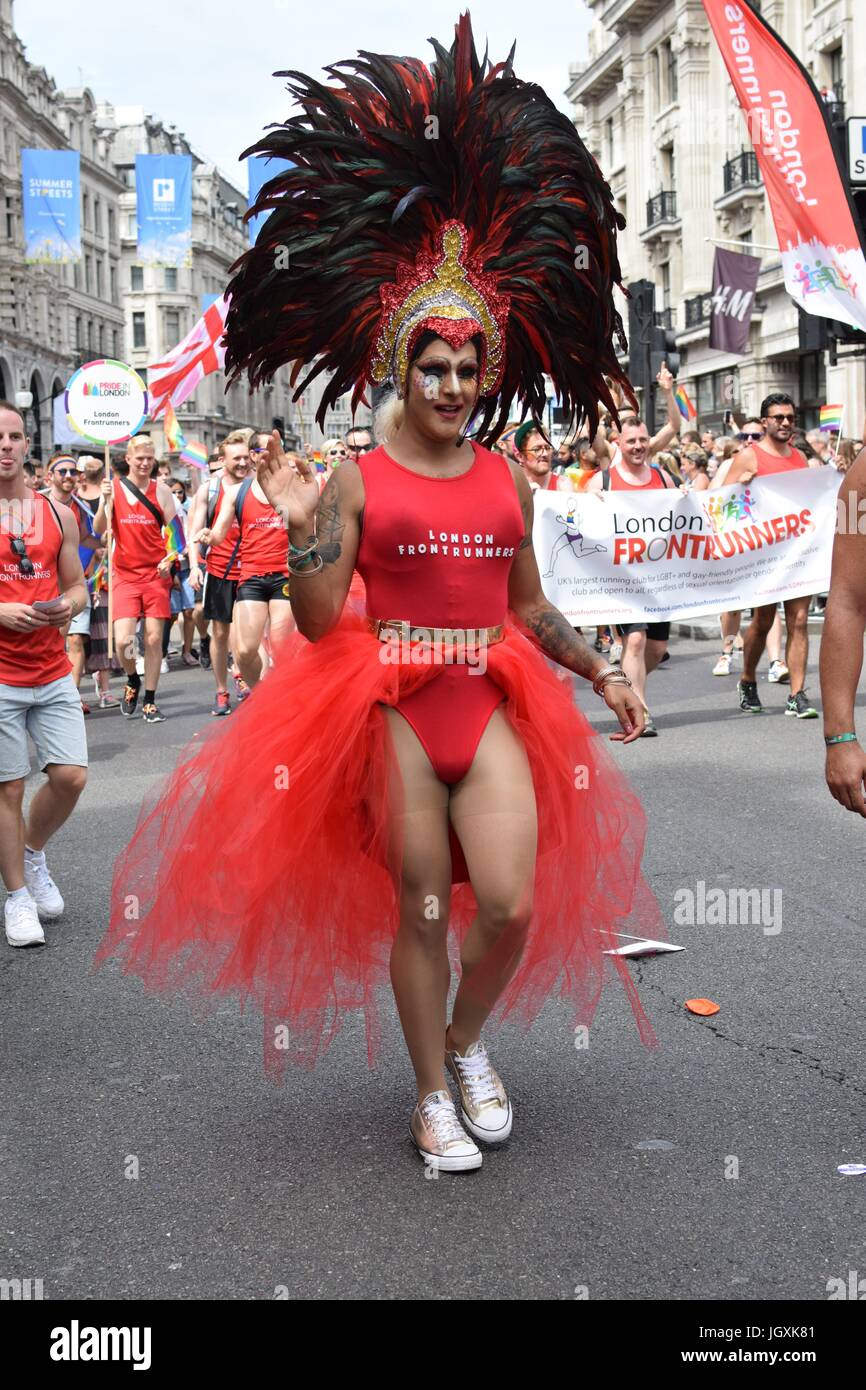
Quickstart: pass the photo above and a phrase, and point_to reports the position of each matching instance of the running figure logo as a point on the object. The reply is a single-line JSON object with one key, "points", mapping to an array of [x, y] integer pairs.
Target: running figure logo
{"points": [[573, 536]]}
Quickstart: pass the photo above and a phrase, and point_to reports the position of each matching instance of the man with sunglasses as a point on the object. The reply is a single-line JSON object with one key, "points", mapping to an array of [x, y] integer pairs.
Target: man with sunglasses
{"points": [[358, 441], [774, 454], [63, 480], [41, 588]]}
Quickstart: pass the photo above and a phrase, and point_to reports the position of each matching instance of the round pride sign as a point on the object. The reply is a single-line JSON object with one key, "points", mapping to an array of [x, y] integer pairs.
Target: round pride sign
{"points": [[106, 402]]}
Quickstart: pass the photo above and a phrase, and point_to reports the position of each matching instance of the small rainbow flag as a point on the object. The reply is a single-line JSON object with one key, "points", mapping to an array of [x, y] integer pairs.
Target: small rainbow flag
{"points": [[175, 540], [98, 580], [173, 433], [194, 453], [686, 409], [830, 417]]}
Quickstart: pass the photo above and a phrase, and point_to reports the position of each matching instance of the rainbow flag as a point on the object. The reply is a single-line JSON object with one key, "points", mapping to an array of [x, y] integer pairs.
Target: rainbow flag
{"points": [[686, 409], [194, 453], [175, 540], [173, 433], [830, 417], [98, 580]]}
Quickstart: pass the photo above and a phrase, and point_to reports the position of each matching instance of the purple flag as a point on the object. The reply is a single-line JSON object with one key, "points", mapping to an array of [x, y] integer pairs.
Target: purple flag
{"points": [[735, 279]]}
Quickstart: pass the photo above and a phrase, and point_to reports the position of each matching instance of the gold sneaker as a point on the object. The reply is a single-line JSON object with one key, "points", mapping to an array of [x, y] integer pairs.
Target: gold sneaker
{"points": [[439, 1136], [485, 1107]]}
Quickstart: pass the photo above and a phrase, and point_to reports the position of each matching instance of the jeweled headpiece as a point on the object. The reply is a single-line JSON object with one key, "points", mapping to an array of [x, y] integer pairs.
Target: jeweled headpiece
{"points": [[455, 198], [445, 293]]}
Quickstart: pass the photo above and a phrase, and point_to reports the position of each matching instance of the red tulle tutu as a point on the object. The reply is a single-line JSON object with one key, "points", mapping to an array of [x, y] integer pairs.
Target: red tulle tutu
{"points": [[259, 869]]}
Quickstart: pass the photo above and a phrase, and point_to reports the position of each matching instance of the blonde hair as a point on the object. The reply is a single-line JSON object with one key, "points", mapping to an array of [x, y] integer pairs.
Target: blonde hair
{"points": [[236, 437], [333, 444], [139, 441], [388, 418]]}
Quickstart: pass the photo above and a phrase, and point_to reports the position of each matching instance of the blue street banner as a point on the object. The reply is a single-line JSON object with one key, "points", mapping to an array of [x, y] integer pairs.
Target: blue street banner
{"points": [[261, 168], [51, 186], [163, 191]]}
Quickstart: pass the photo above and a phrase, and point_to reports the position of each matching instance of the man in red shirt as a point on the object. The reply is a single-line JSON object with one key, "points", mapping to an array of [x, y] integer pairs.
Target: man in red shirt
{"points": [[643, 644], [774, 454], [263, 586], [223, 561], [140, 507], [38, 558]]}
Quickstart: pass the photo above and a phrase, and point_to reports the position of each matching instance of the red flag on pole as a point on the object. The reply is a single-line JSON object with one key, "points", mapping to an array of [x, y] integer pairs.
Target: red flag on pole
{"points": [[815, 220], [201, 352]]}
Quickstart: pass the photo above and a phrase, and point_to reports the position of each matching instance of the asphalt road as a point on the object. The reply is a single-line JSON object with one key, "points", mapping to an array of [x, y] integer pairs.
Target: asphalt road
{"points": [[619, 1179]]}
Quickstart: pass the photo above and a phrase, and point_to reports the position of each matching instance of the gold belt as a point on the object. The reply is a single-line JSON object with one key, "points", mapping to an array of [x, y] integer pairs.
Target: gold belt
{"points": [[385, 628]]}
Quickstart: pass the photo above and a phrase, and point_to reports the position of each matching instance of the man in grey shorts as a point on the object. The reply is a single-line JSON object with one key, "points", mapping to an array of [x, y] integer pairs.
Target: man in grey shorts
{"points": [[42, 589]]}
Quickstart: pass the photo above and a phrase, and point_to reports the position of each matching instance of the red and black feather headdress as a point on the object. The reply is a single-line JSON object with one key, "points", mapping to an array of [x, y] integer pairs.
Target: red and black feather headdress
{"points": [[456, 195]]}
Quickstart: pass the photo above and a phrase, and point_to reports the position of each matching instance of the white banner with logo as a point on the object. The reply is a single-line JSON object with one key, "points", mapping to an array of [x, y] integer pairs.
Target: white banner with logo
{"points": [[620, 557]]}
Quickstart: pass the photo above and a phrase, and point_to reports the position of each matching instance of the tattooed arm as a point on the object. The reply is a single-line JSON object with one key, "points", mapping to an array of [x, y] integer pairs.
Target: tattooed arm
{"points": [[552, 630], [317, 599]]}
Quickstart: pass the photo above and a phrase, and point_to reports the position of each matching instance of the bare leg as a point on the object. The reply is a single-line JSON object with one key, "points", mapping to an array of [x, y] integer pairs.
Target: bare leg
{"points": [[493, 813], [188, 630], [76, 649], [774, 639], [281, 622], [421, 854], [54, 802], [219, 655], [124, 643], [634, 662], [756, 639], [12, 834], [797, 646], [655, 650], [153, 635], [730, 625], [249, 621]]}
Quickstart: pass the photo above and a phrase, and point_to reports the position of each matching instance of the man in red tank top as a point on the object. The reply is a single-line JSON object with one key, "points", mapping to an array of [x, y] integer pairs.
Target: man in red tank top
{"points": [[140, 507], [38, 559], [262, 597], [535, 456], [222, 565], [775, 454], [643, 644]]}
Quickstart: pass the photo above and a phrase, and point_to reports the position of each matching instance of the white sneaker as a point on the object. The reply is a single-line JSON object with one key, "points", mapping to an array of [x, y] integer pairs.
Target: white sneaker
{"points": [[484, 1105], [163, 670], [723, 665], [778, 673], [139, 665], [23, 927], [615, 653], [43, 890], [439, 1136]]}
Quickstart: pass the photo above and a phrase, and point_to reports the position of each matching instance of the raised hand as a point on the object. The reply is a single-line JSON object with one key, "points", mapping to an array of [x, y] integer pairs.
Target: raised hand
{"points": [[289, 484], [665, 378]]}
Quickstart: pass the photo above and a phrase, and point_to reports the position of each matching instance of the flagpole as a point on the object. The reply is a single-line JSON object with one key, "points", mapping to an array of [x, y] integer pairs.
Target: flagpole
{"points": [[108, 518], [841, 431]]}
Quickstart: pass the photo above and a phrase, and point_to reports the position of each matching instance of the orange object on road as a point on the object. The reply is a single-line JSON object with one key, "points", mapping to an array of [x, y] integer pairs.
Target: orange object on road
{"points": [[704, 1007]]}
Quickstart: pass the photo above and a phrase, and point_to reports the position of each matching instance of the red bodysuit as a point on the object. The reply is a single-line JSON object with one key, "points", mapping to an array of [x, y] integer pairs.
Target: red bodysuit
{"points": [[422, 565]]}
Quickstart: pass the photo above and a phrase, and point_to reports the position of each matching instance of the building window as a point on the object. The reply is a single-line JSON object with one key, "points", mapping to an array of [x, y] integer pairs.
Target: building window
{"points": [[171, 277], [112, 281], [666, 284], [79, 343], [837, 74], [98, 277], [88, 274], [669, 167], [90, 335], [673, 86], [114, 344], [10, 221], [608, 142], [111, 227], [85, 210], [138, 336], [136, 277], [655, 78], [101, 339], [131, 225], [97, 217], [172, 325]]}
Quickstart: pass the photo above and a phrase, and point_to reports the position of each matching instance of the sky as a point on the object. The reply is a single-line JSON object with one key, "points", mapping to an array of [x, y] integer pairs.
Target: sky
{"points": [[206, 66]]}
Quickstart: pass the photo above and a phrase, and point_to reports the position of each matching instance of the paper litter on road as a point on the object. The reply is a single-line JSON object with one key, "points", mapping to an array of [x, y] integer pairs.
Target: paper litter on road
{"points": [[641, 946], [851, 1170]]}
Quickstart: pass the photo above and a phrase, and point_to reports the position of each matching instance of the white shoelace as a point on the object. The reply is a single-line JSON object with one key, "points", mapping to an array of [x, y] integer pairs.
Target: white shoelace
{"points": [[442, 1118], [18, 910], [477, 1075], [39, 869]]}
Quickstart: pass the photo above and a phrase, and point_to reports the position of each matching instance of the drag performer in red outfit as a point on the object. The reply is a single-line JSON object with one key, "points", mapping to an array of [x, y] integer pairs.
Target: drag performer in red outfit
{"points": [[412, 773]]}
